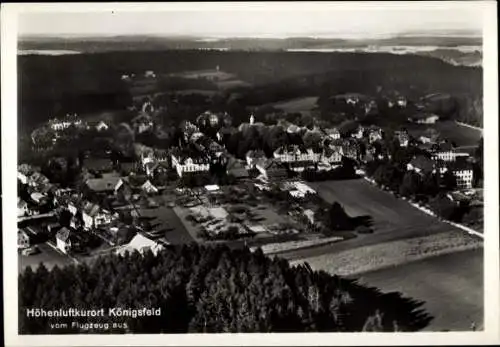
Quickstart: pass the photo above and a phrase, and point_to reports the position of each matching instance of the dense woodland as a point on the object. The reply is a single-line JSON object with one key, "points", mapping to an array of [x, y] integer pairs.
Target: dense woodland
{"points": [[214, 290], [82, 83]]}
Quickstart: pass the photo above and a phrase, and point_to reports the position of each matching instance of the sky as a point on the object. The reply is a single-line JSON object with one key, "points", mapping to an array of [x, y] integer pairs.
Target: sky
{"points": [[242, 20]]}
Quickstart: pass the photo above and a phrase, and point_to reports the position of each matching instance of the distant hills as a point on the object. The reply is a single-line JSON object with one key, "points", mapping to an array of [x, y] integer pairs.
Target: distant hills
{"points": [[449, 47]]}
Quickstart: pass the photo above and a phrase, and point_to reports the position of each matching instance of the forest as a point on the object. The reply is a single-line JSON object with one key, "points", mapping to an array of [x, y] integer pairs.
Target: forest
{"points": [[213, 289], [86, 83]]}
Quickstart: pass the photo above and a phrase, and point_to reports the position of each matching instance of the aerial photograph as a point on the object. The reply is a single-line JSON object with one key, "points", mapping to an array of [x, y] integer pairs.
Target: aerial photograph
{"points": [[250, 171]]}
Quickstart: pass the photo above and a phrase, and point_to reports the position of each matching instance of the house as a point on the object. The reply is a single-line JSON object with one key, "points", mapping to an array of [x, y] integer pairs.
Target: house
{"points": [[375, 134], [424, 118], [332, 156], [142, 123], [26, 238], [94, 216], [295, 153], [271, 169], [359, 132], [37, 179], [421, 165], [351, 149], [141, 244], [24, 171], [402, 137], [401, 101], [332, 133], [149, 74], [64, 123], [66, 240], [22, 208], [107, 184], [371, 108], [444, 151], [39, 198], [101, 126], [463, 172], [74, 204], [253, 156], [149, 188], [190, 161], [207, 145], [208, 118]]}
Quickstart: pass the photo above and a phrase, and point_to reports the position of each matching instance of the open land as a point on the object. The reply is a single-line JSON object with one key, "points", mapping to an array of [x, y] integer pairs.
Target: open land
{"points": [[305, 104], [451, 286], [49, 256]]}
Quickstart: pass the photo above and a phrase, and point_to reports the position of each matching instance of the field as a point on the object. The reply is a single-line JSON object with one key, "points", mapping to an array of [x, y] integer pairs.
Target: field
{"points": [[165, 219], [223, 80], [392, 219], [461, 135], [48, 256], [390, 254], [305, 104], [451, 286]]}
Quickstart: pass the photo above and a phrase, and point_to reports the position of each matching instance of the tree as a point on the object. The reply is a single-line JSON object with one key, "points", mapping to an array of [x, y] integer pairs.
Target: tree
{"points": [[411, 184]]}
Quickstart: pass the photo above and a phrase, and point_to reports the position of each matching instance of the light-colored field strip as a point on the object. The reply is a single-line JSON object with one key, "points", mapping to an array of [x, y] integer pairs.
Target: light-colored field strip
{"points": [[292, 245], [384, 255]]}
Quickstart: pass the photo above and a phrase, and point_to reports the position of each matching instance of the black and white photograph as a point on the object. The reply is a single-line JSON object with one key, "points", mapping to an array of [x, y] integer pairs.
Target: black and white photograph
{"points": [[260, 168]]}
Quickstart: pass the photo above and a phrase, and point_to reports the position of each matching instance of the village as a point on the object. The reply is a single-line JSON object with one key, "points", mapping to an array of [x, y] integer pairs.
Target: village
{"points": [[200, 189]]}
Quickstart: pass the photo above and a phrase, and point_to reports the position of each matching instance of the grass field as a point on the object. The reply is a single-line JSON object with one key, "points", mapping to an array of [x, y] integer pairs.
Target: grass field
{"points": [[461, 135], [48, 256], [166, 220], [305, 104], [392, 218], [451, 286], [394, 253], [360, 198]]}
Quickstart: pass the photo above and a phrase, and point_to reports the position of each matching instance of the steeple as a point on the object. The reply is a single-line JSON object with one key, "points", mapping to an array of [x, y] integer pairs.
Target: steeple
{"points": [[252, 119]]}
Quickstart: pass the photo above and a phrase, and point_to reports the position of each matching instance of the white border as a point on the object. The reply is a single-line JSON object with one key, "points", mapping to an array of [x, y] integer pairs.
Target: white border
{"points": [[491, 333]]}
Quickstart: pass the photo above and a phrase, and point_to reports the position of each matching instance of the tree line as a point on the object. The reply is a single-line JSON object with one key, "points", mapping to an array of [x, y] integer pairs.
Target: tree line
{"points": [[213, 289]]}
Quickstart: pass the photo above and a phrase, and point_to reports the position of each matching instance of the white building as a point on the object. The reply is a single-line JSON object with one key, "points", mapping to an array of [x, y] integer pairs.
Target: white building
{"points": [[293, 154], [190, 163]]}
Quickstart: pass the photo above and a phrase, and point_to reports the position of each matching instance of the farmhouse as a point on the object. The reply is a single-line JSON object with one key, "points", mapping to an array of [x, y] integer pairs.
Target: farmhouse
{"points": [[66, 240]]}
